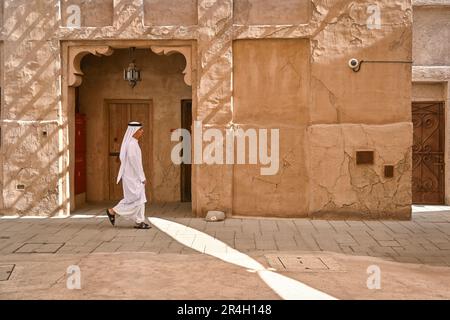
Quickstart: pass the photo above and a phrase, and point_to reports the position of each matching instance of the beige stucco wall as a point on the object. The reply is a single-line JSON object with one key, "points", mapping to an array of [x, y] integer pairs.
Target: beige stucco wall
{"points": [[431, 35], [340, 111], [162, 82], [430, 91], [271, 87]]}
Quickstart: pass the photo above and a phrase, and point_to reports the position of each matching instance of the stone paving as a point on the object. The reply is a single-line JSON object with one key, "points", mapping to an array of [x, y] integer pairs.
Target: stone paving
{"points": [[423, 240]]}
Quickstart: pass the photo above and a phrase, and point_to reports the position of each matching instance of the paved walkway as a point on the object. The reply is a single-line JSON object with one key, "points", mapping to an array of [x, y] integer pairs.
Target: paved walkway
{"points": [[424, 240], [183, 257]]}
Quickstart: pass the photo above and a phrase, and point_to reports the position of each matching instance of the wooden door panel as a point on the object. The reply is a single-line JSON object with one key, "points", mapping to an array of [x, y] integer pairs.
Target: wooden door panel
{"points": [[140, 112], [186, 169], [120, 114], [118, 123], [428, 153]]}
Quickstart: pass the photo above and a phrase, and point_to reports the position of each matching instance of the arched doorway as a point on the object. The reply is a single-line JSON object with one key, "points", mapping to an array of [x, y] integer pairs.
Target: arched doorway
{"points": [[103, 105]]}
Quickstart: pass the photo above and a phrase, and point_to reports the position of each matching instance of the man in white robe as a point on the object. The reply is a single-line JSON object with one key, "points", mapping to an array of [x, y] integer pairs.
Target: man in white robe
{"points": [[131, 172]]}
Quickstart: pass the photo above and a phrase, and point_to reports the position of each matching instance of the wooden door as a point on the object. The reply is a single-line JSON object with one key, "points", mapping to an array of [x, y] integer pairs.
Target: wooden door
{"points": [[140, 112], [428, 153], [120, 114], [186, 169]]}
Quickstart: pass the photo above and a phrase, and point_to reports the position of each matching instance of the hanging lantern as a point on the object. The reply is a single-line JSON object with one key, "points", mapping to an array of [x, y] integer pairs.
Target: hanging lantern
{"points": [[132, 74]]}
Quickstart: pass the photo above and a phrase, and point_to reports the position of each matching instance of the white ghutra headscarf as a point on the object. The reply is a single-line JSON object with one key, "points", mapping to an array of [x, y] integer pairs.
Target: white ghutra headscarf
{"points": [[133, 127]]}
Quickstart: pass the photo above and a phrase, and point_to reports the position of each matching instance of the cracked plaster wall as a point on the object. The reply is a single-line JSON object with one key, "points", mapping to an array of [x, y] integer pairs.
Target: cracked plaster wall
{"points": [[368, 110], [340, 112], [339, 186]]}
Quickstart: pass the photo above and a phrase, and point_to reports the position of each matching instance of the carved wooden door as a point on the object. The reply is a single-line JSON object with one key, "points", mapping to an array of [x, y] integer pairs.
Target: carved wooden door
{"points": [[428, 153]]}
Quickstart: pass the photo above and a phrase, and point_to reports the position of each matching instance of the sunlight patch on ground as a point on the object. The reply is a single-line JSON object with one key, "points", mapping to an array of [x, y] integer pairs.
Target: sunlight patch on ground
{"points": [[33, 217], [60, 217], [428, 208], [285, 287], [82, 216]]}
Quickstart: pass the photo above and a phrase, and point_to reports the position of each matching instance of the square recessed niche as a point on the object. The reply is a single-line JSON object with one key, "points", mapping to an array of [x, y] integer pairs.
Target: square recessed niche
{"points": [[388, 171], [82, 13], [364, 157], [170, 12], [271, 12]]}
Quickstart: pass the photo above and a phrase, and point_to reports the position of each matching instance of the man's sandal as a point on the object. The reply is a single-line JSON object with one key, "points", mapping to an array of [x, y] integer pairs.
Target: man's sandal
{"points": [[142, 225], [111, 217]]}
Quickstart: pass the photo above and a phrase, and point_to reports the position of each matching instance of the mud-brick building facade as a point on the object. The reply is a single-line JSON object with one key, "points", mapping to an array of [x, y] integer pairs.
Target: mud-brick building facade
{"points": [[346, 135]]}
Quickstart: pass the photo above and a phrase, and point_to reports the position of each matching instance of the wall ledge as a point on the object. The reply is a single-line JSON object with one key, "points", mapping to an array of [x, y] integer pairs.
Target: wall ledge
{"points": [[430, 3], [431, 73]]}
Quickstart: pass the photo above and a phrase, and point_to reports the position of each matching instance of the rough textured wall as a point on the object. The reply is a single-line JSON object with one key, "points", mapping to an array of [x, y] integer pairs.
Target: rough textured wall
{"points": [[341, 188], [213, 183], [30, 108], [431, 30], [380, 92], [32, 162], [162, 82], [378, 97]]}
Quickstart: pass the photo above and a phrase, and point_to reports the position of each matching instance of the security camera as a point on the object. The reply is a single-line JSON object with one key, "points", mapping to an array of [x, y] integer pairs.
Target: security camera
{"points": [[353, 63]]}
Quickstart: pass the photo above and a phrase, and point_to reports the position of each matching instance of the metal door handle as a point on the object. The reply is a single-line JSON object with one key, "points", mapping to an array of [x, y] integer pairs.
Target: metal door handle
{"points": [[114, 154]]}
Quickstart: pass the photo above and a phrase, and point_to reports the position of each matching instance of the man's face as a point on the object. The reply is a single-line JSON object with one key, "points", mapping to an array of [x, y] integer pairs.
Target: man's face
{"points": [[138, 135]]}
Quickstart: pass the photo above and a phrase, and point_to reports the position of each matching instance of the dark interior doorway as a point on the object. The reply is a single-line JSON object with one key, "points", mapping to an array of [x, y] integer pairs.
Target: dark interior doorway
{"points": [[186, 169], [428, 153]]}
